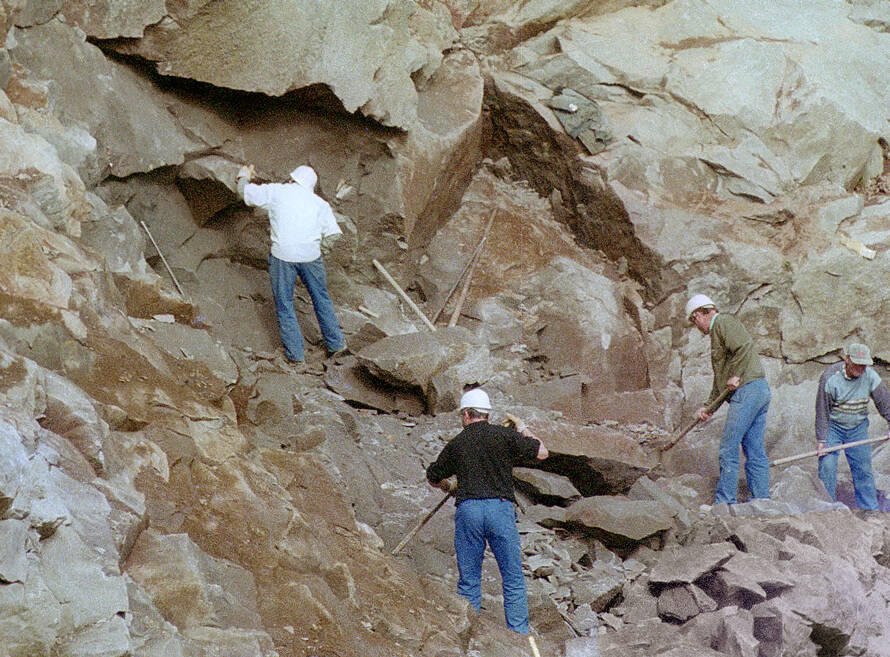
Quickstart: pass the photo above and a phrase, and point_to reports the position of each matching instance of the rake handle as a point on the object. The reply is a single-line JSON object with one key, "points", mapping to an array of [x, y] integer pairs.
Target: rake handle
{"points": [[713, 406]]}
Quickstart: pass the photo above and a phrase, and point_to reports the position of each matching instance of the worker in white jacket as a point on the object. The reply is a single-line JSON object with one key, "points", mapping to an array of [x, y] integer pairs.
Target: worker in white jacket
{"points": [[302, 225]]}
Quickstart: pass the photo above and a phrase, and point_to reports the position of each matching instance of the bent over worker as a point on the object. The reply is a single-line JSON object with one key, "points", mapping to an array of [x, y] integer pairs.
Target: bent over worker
{"points": [[482, 456], [737, 367], [302, 225], [842, 417]]}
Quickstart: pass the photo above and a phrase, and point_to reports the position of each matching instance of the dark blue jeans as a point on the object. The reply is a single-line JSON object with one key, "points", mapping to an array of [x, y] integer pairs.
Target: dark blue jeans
{"points": [[493, 521], [745, 425], [859, 459], [283, 276]]}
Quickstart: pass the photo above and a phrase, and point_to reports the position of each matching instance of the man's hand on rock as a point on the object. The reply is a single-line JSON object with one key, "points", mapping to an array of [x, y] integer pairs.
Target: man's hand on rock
{"points": [[518, 424]]}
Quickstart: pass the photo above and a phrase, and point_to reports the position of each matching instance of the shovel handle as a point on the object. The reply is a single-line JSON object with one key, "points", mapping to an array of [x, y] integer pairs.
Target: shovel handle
{"points": [[410, 535], [828, 450], [713, 406]]}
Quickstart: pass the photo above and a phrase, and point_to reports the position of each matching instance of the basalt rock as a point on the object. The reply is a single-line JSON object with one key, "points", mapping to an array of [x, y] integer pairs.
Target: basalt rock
{"points": [[438, 364]]}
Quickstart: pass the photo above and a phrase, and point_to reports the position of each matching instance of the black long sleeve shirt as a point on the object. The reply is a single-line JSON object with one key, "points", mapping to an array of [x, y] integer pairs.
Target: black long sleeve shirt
{"points": [[483, 456]]}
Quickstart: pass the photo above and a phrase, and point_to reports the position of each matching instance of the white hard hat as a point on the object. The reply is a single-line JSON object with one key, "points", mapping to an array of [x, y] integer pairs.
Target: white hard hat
{"points": [[476, 398], [304, 175], [696, 302]]}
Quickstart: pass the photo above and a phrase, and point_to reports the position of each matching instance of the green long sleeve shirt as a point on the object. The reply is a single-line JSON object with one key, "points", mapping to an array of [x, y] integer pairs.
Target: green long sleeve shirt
{"points": [[732, 354]]}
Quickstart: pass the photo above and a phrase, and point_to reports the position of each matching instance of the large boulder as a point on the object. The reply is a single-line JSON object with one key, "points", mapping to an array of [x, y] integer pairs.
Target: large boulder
{"points": [[706, 102], [684, 566], [619, 521], [133, 128], [583, 323], [368, 53], [437, 363], [111, 19], [596, 459], [38, 183]]}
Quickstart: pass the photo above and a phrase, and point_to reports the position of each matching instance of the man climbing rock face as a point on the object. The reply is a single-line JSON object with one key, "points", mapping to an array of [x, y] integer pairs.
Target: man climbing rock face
{"points": [[842, 417], [302, 226], [482, 457], [737, 367]]}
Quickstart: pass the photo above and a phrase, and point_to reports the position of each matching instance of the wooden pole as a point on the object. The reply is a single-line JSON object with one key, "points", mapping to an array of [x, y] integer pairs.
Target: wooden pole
{"points": [[410, 535], [163, 259], [463, 293], [828, 450], [531, 641], [467, 266], [463, 297], [710, 409], [401, 292]]}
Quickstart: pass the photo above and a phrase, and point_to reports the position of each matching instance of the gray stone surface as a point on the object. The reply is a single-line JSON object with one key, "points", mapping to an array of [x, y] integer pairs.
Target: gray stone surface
{"points": [[366, 53], [676, 603], [70, 414], [597, 459], [599, 588], [208, 185], [114, 233], [13, 557], [355, 383], [181, 341], [111, 19], [439, 364], [683, 566], [197, 596], [758, 543], [728, 631], [111, 638], [823, 277], [87, 595], [671, 492], [134, 130], [59, 187], [619, 517], [39, 500], [583, 316], [582, 647], [13, 463], [547, 484]]}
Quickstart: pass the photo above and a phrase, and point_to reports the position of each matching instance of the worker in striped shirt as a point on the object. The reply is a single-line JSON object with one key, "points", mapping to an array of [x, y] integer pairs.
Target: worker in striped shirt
{"points": [[842, 417]]}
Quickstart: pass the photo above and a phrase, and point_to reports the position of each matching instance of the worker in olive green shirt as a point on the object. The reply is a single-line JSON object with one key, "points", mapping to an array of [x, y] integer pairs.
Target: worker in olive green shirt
{"points": [[737, 367]]}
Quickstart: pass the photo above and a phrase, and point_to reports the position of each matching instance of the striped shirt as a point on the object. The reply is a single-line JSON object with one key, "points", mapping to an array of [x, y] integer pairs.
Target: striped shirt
{"points": [[844, 400]]}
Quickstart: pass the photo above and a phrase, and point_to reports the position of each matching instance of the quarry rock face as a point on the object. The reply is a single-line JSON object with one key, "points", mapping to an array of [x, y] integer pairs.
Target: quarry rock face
{"points": [[110, 20], [366, 54], [133, 132], [555, 179]]}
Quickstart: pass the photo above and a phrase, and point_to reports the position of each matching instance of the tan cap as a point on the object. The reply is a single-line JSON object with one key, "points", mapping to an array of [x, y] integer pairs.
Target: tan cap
{"points": [[859, 354]]}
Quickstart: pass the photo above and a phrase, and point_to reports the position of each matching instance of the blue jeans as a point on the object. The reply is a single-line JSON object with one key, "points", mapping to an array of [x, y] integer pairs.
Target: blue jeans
{"points": [[284, 275], [745, 424], [859, 459], [494, 521]]}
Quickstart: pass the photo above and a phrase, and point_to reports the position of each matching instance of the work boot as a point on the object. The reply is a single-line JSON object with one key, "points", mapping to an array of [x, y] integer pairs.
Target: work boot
{"points": [[340, 352], [302, 367]]}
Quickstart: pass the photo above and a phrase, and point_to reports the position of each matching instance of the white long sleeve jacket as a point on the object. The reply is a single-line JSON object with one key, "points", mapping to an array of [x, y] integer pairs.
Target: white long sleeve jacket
{"points": [[298, 218]]}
